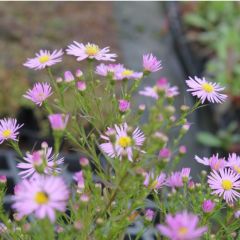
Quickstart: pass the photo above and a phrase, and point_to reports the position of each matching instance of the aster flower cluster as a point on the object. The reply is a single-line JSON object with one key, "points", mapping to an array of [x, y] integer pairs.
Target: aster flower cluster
{"points": [[129, 165]]}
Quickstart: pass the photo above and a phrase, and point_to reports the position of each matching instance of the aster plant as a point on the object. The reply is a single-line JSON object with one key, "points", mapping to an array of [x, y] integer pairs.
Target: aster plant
{"points": [[129, 168]]}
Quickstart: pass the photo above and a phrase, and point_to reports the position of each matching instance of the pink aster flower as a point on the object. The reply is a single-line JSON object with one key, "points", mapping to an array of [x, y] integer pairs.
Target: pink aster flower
{"points": [[44, 59], [39, 93], [40, 162], [90, 51], [234, 162], [153, 182], [149, 215], [225, 183], [165, 153], [121, 141], [185, 173], [208, 206], [149, 92], [68, 76], [58, 121], [3, 179], [182, 226], [206, 90], [175, 180], [9, 129], [162, 85], [123, 105], [78, 177], [81, 86], [41, 197], [109, 69], [214, 162], [151, 63], [125, 73]]}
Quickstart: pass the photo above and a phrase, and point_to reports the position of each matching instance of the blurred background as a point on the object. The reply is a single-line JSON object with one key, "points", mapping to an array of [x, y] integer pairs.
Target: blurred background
{"points": [[191, 38]]}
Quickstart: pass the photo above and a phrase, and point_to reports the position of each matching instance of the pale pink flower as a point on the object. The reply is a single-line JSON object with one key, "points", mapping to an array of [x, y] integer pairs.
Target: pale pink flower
{"points": [[3, 179], [126, 73], [214, 162], [206, 90], [81, 86], [9, 129], [58, 121], [44, 59], [151, 63], [90, 51], [84, 161], [68, 76], [40, 162], [123, 105], [234, 162], [149, 215], [109, 70], [122, 142], [185, 173], [78, 177], [78, 73], [182, 226], [165, 153], [154, 182], [39, 93], [42, 197], [175, 180], [225, 183], [208, 206], [149, 92]]}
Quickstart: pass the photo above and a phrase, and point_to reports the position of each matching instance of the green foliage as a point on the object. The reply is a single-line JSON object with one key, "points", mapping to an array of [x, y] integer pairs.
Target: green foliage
{"points": [[218, 29]]}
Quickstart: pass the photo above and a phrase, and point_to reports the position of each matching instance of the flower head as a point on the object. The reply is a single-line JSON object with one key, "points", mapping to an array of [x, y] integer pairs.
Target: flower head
{"points": [[121, 141], [123, 105], [175, 180], [162, 85], [9, 129], [149, 215], [58, 121], [234, 162], [109, 70], [90, 51], [40, 162], [165, 153], [208, 206], [125, 73], [68, 76], [214, 162], [41, 196], [182, 226], [225, 183], [39, 93], [206, 90], [153, 182], [44, 59], [81, 86], [151, 63], [78, 177]]}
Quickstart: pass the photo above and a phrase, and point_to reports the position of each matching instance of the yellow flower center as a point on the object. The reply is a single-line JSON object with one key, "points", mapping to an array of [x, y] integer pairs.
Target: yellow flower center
{"points": [[154, 184], [125, 141], [207, 87], [92, 49], [41, 198], [44, 59], [127, 72], [6, 133], [227, 184], [183, 231]]}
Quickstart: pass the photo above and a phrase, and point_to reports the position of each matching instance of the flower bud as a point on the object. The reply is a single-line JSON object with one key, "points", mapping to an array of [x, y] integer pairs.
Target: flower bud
{"points": [[208, 206], [68, 76]]}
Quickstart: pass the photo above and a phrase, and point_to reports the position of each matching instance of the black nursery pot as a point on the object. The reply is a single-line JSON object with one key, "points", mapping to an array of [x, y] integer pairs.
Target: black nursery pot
{"points": [[30, 131]]}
